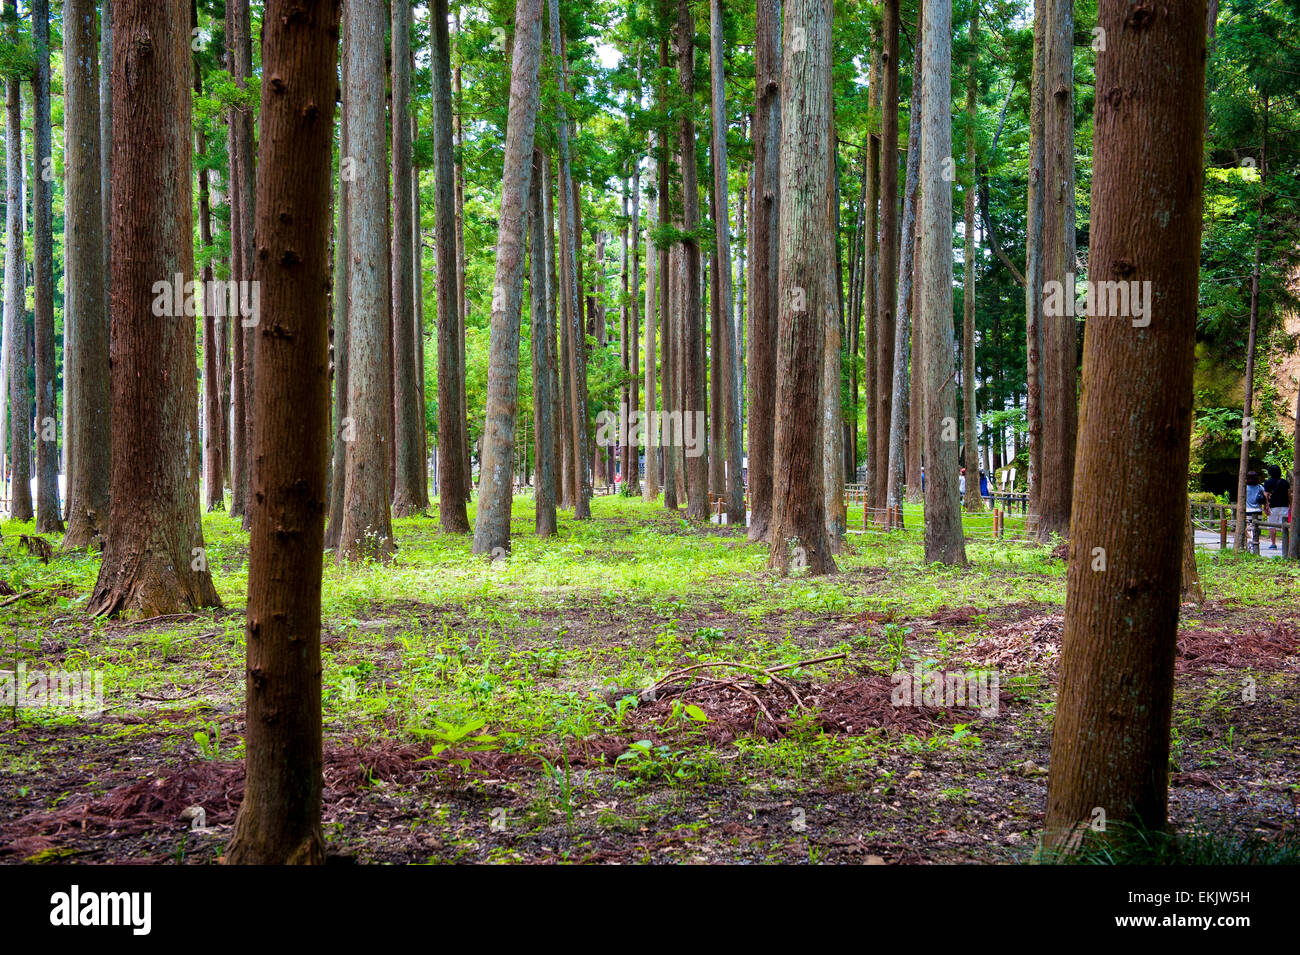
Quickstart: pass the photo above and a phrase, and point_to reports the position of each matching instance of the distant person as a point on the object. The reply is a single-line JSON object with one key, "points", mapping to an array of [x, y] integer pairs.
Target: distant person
{"points": [[961, 483], [1256, 507], [1278, 491], [984, 484]]}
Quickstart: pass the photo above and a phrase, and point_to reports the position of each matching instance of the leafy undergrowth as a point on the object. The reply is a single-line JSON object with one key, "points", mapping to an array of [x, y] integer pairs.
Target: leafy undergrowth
{"points": [[503, 711]]}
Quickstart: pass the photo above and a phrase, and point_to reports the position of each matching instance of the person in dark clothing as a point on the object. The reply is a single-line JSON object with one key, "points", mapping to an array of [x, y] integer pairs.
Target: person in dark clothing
{"points": [[1278, 491], [1256, 508]]}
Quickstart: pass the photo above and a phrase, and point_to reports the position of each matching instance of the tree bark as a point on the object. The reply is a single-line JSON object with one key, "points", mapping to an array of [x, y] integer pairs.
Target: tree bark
{"points": [[496, 469], [1110, 744], [764, 268], [1248, 403], [1034, 220], [367, 531], [887, 285], [279, 819], [899, 405], [970, 460], [15, 310], [650, 490], [86, 362], [944, 541], [453, 483], [1060, 361], [48, 517], [807, 297], [154, 558], [343, 426], [543, 370]]}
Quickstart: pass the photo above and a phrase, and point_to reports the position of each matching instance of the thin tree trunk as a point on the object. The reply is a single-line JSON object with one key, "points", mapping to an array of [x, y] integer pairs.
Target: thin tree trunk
{"points": [[1060, 362], [496, 470], [344, 427], [970, 460], [15, 309], [869, 281], [86, 362], [944, 542], [764, 269], [888, 282], [1248, 404], [48, 517], [453, 486], [154, 558], [650, 489], [279, 819], [1110, 745], [542, 335], [1034, 220], [899, 405]]}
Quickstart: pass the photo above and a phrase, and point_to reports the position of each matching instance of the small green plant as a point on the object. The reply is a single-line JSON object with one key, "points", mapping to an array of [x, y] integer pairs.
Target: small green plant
{"points": [[209, 741], [460, 738], [896, 635]]}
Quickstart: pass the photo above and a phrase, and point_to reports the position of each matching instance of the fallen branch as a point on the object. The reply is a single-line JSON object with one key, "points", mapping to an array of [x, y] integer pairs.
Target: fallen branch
{"points": [[16, 597]]}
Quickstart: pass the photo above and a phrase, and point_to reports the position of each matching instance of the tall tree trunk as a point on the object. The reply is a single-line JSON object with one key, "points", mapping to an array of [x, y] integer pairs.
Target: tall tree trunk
{"points": [[669, 295], [279, 819], [1034, 222], [1110, 745], [213, 472], [807, 296], [1248, 403], [344, 427], [154, 558], [692, 352], [496, 469], [542, 336], [916, 438], [453, 485], [943, 531], [870, 280], [15, 309], [888, 282], [367, 531], [574, 328], [899, 405], [408, 471], [246, 184], [650, 489], [462, 306], [86, 362], [48, 517], [763, 271], [1060, 361], [1190, 588], [970, 460]]}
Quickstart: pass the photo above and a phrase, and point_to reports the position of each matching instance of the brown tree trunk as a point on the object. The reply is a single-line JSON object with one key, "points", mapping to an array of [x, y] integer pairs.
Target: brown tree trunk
{"points": [[279, 819], [543, 335], [367, 530], [870, 281], [1034, 220], [343, 425], [889, 239], [496, 470], [1110, 744], [1248, 404], [807, 297], [453, 484], [970, 460], [1191, 589], [15, 309], [1060, 361], [86, 362], [944, 542], [764, 267], [650, 489], [48, 517], [154, 559]]}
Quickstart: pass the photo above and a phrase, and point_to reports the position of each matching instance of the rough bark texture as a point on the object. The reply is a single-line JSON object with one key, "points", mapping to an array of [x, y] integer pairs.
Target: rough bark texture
{"points": [[1060, 361], [692, 353], [367, 531], [86, 362], [279, 819], [15, 309], [869, 281], [764, 267], [1191, 590], [408, 470], [729, 384], [342, 298], [48, 518], [806, 293], [543, 370], [154, 559], [943, 531], [887, 284], [898, 410], [496, 469], [453, 483], [650, 489], [1110, 744], [1034, 273], [970, 460]]}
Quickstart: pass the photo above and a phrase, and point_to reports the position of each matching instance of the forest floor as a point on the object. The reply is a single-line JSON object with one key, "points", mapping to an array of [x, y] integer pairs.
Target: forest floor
{"points": [[492, 712]]}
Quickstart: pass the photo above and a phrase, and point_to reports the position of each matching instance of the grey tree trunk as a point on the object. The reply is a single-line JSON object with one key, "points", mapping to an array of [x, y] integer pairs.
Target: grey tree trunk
{"points": [[86, 362], [970, 460], [366, 531], [48, 518], [943, 531], [15, 321], [496, 469], [650, 489], [543, 336], [343, 426]]}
